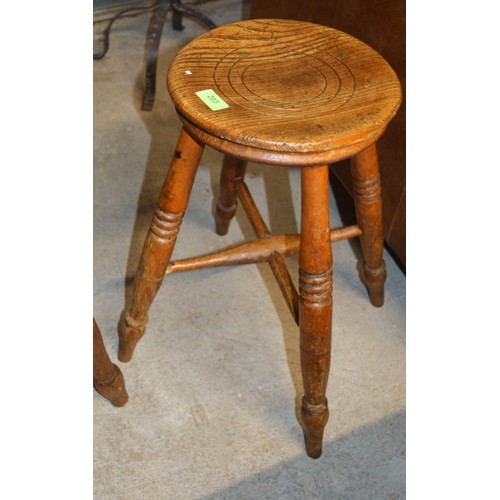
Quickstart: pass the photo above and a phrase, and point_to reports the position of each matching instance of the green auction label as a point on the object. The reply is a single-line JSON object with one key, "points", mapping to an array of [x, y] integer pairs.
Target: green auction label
{"points": [[212, 100]]}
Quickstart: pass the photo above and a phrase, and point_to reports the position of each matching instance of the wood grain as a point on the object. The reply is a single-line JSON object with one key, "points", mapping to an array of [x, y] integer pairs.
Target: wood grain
{"points": [[291, 86]]}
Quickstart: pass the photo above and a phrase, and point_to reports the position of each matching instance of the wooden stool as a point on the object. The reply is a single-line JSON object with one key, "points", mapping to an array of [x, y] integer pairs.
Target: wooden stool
{"points": [[108, 378], [280, 93]]}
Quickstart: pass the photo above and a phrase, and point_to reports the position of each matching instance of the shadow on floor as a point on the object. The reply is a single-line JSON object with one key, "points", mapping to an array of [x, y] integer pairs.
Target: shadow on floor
{"points": [[368, 463]]}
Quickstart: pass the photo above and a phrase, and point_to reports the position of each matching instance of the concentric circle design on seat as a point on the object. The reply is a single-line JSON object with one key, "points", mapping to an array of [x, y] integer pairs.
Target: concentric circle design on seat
{"points": [[290, 86], [258, 84]]}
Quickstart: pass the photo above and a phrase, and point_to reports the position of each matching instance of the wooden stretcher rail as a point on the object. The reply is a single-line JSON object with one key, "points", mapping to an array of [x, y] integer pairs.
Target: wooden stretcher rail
{"points": [[266, 248]]}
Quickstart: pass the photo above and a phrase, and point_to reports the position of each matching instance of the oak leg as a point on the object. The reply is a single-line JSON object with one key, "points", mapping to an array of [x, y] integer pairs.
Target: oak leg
{"points": [[160, 241], [368, 200], [225, 208], [315, 287], [108, 379]]}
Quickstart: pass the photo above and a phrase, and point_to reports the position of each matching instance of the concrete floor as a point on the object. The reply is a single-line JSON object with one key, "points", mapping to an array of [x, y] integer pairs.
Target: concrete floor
{"points": [[215, 382]]}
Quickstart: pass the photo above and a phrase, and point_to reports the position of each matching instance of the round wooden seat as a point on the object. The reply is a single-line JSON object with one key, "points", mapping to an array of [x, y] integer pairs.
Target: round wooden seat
{"points": [[301, 92]]}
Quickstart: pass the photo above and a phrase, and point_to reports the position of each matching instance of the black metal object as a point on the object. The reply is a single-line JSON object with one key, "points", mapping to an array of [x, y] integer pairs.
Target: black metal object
{"points": [[153, 37], [134, 10], [161, 8], [180, 9]]}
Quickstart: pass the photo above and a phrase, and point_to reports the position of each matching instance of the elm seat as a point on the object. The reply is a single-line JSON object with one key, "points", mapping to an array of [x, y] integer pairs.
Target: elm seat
{"points": [[291, 87], [280, 93]]}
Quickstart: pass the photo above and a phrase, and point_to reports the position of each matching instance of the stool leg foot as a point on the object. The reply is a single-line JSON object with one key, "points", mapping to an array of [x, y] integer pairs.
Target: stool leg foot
{"points": [[315, 287], [108, 378], [160, 242], [314, 418], [130, 331], [368, 200], [225, 207], [374, 280]]}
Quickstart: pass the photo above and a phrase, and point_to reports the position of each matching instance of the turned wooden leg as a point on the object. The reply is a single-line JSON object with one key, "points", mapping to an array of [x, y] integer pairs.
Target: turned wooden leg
{"points": [[315, 287], [368, 200], [225, 207], [160, 242], [108, 379]]}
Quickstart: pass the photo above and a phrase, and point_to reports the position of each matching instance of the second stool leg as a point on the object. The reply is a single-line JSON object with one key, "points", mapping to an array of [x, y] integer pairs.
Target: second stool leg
{"points": [[108, 378], [315, 285], [368, 199], [225, 208], [160, 241]]}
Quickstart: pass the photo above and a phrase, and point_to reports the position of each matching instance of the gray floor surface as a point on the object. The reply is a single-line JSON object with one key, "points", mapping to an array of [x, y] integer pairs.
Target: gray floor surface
{"points": [[215, 382]]}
